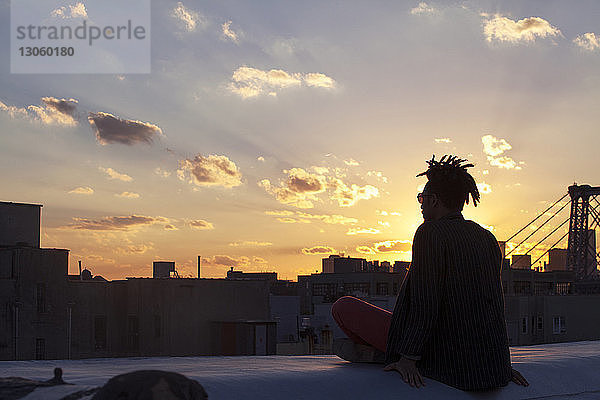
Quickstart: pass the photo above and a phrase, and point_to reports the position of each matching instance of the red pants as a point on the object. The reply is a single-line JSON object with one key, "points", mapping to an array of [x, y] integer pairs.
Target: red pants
{"points": [[364, 323]]}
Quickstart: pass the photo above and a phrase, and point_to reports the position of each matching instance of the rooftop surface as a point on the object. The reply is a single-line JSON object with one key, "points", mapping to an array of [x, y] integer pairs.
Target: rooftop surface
{"points": [[554, 371]]}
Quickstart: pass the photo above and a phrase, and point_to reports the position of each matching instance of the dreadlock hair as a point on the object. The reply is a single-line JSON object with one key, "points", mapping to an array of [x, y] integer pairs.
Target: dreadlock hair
{"points": [[449, 179]]}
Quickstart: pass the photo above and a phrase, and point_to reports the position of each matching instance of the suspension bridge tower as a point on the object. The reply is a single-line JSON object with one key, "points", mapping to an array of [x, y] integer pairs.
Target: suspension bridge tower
{"points": [[585, 218]]}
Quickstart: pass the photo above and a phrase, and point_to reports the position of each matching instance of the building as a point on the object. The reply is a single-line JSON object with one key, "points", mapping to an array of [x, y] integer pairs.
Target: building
{"points": [[252, 276], [20, 224], [521, 261], [550, 306], [338, 264], [557, 260], [49, 314]]}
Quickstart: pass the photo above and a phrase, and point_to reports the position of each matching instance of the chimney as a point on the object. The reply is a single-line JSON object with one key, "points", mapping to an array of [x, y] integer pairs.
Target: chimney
{"points": [[79, 269], [199, 257]]}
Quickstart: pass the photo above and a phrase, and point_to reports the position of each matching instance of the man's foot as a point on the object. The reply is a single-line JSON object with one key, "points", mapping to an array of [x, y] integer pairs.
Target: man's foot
{"points": [[358, 353]]}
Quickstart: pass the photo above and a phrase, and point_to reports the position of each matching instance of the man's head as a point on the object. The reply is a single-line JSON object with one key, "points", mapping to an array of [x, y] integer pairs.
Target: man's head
{"points": [[448, 188]]}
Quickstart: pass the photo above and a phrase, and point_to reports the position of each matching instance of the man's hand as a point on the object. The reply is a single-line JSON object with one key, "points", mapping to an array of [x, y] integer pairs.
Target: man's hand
{"points": [[518, 378], [408, 371]]}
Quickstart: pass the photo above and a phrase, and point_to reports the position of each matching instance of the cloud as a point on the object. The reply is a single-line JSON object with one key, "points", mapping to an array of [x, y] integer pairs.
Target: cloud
{"points": [[114, 222], [261, 158], [112, 174], [228, 33], [51, 111], [287, 220], [190, 20], [134, 249], [315, 79], [14, 111], [286, 216], [82, 190], [56, 111], [333, 219], [279, 212], [161, 172], [250, 243], [357, 231], [251, 82], [348, 196], [299, 189], [170, 227], [365, 250], [320, 170], [71, 11], [95, 258], [318, 250], [259, 260], [503, 29], [112, 129], [423, 9], [393, 246], [494, 148], [201, 224], [225, 260], [484, 188], [588, 41], [443, 140], [128, 195], [351, 162], [378, 175], [213, 170]]}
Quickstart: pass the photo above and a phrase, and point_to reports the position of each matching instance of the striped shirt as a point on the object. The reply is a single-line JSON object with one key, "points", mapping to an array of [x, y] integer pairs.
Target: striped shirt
{"points": [[449, 314]]}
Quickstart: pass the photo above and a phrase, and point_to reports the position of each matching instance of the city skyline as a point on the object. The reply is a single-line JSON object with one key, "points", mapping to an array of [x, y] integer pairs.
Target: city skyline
{"points": [[268, 137]]}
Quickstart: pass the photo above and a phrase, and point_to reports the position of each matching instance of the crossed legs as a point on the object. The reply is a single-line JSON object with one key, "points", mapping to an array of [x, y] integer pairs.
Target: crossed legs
{"points": [[362, 322]]}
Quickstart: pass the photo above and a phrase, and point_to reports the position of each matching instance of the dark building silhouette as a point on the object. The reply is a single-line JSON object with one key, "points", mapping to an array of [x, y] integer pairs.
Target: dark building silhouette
{"points": [[48, 314]]}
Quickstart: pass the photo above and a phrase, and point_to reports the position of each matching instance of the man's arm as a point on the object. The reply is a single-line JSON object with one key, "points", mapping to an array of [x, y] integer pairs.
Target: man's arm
{"points": [[425, 280]]}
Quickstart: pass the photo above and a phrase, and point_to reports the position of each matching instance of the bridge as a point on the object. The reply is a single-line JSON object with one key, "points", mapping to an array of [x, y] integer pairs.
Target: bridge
{"points": [[583, 219]]}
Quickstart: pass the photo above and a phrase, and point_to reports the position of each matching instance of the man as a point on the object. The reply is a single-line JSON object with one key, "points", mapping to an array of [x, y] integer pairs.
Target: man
{"points": [[448, 323]]}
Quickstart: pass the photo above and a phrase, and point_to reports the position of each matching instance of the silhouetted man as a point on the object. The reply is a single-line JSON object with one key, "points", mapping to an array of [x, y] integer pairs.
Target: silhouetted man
{"points": [[448, 323]]}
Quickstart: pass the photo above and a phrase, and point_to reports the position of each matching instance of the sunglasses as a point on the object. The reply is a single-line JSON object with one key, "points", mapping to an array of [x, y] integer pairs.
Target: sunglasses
{"points": [[420, 197]]}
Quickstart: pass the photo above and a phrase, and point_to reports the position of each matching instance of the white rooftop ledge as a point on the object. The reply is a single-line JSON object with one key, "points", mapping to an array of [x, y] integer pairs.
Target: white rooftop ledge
{"points": [[554, 371]]}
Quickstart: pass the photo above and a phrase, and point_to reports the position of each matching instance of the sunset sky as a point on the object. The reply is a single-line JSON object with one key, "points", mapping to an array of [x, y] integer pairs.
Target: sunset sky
{"points": [[271, 134]]}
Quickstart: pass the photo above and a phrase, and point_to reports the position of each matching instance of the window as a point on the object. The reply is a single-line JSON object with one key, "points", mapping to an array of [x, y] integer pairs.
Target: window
{"points": [[99, 332], [361, 287], [563, 288], [558, 325], [395, 287], [540, 322], [40, 349], [542, 288], [41, 297], [383, 288], [524, 324], [522, 287]]}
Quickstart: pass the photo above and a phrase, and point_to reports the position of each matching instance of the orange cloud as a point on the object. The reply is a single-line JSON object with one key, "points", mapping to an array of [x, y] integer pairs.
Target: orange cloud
{"points": [[201, 224], [114, 223], [212, 170], [318, 250], [393, 246]]}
